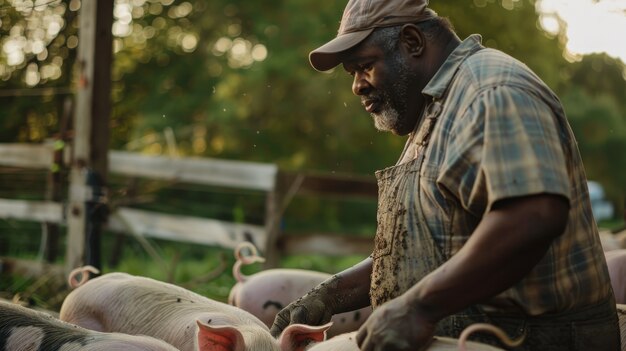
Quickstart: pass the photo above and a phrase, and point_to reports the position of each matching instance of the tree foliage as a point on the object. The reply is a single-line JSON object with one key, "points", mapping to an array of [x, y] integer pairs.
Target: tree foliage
{"points": [[231, 79]]}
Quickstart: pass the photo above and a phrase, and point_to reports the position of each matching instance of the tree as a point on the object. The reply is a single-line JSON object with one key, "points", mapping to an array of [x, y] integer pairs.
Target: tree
{"points": [[35, 67], [231, 79], [600, 128]]}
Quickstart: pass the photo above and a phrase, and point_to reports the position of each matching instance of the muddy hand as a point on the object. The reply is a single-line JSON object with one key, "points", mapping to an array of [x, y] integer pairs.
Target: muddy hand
{"points": [[309, 310], [396, 326]]}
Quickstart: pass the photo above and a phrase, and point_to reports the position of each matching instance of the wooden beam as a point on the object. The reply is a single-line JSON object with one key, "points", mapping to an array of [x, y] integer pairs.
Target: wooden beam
{"points": [[207, 171], [236, 174], [185, 229], [40, 211], [38, 156]]}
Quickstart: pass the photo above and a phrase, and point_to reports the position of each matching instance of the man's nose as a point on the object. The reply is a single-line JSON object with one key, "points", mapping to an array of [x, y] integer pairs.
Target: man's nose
{"points": [[360, 85]]}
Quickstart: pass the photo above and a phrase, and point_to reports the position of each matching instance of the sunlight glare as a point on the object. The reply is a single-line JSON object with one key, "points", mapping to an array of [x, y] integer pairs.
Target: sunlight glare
{"points": [[550, 24], [592, 25]]}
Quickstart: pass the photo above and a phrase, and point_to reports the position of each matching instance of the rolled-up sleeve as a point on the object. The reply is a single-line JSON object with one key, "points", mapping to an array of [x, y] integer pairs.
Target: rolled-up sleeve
{"points": [[505, 145]]}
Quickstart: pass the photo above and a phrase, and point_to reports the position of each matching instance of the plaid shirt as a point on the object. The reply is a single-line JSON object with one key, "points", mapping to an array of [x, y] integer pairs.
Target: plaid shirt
{"points": [[502, 133]]}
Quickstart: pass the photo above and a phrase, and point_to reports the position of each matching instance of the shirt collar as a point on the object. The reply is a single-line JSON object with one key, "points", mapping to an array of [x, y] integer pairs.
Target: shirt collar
{"points": [[440, 81]]}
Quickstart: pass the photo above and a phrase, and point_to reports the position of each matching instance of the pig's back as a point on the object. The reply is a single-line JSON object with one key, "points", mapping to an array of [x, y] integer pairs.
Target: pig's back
{"points": [[119, 302], [22, 327]]}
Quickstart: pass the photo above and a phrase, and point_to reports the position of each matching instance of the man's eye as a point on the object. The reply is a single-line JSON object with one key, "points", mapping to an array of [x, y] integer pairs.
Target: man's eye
{"points": [[359, 68], [365, 67]]}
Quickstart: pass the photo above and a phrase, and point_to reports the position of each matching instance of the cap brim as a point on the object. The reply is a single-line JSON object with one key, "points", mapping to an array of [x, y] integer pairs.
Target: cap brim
{"points": [[327, 56]]}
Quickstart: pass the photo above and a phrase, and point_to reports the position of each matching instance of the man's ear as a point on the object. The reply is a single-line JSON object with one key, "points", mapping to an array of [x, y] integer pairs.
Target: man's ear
{"points": [[412, 40]]}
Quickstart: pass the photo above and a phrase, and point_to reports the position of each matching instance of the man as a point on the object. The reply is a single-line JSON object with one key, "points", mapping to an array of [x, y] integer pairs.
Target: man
{"points": [[486, 216]]}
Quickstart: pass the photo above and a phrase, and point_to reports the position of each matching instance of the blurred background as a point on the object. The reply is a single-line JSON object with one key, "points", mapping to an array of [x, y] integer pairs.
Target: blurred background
{"points": [[230, 80]]}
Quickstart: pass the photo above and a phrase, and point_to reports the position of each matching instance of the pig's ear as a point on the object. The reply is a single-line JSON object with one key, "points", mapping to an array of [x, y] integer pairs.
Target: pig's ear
{"points": [[297, 337], [218, 338]]}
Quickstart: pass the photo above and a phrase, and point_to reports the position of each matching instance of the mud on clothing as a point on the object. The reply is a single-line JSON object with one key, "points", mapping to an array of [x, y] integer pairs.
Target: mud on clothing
{"points": [[492, 130]]}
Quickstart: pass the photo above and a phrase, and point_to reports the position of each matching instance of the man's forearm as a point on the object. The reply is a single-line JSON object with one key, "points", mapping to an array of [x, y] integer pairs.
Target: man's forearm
{"points": [[350, 288], [505, 246]]}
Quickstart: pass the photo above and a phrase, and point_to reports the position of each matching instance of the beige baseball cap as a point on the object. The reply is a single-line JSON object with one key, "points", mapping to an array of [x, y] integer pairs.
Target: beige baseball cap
{"points": [[360, 18]]}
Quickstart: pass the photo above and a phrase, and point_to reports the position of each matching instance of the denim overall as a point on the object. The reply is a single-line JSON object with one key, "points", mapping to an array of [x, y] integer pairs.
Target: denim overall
{"points": [[405, 251]]}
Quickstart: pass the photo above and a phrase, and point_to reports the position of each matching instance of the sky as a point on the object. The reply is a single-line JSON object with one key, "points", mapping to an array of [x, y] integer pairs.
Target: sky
{"points": [[593, 26]]}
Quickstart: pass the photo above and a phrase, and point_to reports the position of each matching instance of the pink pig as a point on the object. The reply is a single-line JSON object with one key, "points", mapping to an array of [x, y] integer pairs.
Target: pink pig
{"points": [[24, 329], [265, 293], [616, 263], [119, 302], [347, 341]]}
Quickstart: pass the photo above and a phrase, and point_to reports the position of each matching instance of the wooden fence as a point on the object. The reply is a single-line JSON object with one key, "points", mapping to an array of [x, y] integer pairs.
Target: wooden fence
{"points": [[91, 136], [280, 187]]}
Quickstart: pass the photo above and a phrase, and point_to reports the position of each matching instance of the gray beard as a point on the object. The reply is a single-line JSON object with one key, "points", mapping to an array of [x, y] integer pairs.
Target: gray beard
{"points": [[388, 119], [392, 116]]}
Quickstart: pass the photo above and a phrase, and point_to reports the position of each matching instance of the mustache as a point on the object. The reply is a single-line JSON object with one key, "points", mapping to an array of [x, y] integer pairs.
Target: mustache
{"points": [[372, 98]]}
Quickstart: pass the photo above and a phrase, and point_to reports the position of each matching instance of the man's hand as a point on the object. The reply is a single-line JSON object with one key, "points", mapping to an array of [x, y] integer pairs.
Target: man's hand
{"points": [[309, 309], [345, 291], [396, 326], [486, 265]]}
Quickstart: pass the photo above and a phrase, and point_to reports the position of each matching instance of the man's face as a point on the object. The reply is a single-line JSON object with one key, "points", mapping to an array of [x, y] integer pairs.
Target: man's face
{"points": [[386, 84]]}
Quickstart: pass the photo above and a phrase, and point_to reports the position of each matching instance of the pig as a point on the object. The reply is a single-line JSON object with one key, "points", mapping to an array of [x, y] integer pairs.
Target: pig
{"points": [[347, 341], [612, 241], [609, 241], [616, 263], [23, 329], [120, 302], [265, 293]]}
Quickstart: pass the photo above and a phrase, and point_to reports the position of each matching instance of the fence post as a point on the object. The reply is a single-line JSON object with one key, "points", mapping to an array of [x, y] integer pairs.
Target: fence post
{"points": [[91, 121], [55, 181], [286, 187], [273, 218]]}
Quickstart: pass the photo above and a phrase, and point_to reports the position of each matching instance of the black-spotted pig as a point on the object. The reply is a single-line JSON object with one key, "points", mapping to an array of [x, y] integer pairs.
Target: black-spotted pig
{"points": [[23, 329]]}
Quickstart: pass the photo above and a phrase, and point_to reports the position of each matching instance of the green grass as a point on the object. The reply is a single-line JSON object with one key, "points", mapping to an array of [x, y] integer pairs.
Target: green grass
{"points": [[202, 269]]}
